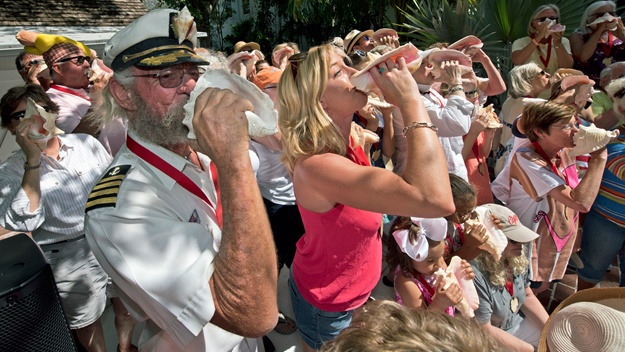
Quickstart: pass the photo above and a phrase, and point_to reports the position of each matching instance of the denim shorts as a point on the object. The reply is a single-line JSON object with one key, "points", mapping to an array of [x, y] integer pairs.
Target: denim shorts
{"points": [[601, 241], [314, 325]]}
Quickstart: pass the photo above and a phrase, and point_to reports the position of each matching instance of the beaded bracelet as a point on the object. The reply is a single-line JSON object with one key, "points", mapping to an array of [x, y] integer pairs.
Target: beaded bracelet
{"points": [[28, 167], [419, 125], [455, 89]]}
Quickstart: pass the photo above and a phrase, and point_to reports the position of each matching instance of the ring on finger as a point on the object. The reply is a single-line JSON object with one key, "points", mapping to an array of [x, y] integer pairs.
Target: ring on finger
{"points": [[382, 69]]}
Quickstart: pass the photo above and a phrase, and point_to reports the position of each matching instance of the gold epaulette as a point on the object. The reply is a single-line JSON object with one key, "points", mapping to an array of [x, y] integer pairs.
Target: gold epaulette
{"points": [[104, 194]]}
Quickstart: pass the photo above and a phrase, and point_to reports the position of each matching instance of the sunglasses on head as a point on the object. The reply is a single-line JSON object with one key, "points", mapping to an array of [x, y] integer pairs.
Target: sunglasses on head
{"points": [[543, 19], [20, 114], [294, 60]]}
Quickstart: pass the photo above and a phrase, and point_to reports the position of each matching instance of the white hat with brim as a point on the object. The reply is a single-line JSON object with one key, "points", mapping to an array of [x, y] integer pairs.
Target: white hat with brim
{"points": [[589, 320], [353, 37], [511, 225], [153, 40]]}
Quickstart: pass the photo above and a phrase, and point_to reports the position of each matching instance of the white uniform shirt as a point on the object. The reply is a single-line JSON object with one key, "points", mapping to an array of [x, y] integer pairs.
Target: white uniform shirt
{"points": [[157, 242], [72, 107], [453, 118], [272, 176], [65, 185]]}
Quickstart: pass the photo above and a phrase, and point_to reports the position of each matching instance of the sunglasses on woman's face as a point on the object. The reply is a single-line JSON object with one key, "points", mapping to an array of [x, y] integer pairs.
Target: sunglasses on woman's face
{"points": [[601, 14], [620, 94], [20, 114], [543, 19]]}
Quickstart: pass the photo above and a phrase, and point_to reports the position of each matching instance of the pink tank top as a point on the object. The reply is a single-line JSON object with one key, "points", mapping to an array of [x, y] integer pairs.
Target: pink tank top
{"points": [[338, 261]]}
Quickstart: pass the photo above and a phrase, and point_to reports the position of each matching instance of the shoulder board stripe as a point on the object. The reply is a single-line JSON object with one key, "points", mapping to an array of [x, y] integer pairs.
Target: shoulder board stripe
{"points": [[104, 194]]}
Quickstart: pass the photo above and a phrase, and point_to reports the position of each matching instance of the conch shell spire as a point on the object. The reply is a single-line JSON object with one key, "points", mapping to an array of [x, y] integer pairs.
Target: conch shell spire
{"points": [[184, 27], [591, 138]]}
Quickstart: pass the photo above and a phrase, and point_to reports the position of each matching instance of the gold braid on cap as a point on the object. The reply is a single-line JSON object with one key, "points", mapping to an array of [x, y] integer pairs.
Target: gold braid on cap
{"points": [[163, 59], [127, 58]]}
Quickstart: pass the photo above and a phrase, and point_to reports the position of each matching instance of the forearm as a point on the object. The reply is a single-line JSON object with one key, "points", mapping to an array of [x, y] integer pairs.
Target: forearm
{"points": [[496, 84], [520, 57], [489, 136], [245, 277], [388, 139], [565, 60], [588, 48], [511, 342], [534, 310], [31, 184], [586, 192], [469, 141]]}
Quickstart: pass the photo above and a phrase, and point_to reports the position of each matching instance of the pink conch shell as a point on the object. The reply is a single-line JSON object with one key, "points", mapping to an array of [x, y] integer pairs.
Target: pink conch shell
{"points": [[183, 25], [468, 45], [436, 57], [278, 54], [497, 241], [554, 27], [384, 32], [44, 126], [262, 122], [363, 81], [375, 101], [584, 94], [605, 18], [591, 138], [98, 68], [248, 59], [455, 274]]}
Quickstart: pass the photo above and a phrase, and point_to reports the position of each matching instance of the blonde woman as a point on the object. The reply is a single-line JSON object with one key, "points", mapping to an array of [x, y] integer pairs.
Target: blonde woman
{"points": [[503, 288], [338, 260]]}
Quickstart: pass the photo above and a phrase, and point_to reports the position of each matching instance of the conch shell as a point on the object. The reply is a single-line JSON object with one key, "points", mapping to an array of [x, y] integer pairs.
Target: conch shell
{"points": [[455, 274], [437, 57], [248, 59], [493, 120], [262, 122], [184, 27], [468, 45], [554, 27], [383, 32], [497, 240], [44, 123], [363, 80], [591, 138], [375, 101], [605, 18]]}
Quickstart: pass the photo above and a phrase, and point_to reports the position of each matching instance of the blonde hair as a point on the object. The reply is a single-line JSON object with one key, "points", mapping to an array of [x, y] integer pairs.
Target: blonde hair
{"points": [[530, 29], [385, 326], [540, 116], [520, 78], [306, 128], [496, 272]]}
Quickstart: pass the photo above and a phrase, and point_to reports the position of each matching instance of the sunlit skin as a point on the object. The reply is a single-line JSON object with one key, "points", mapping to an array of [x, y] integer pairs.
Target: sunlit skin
{"points": [[540, 83], [560, 135], [433, 261], [341, 99], [72, 75]]}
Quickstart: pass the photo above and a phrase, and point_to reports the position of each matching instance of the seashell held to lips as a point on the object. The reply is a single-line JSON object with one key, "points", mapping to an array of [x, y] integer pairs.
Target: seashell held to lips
{"points": [[553, 27], [262, 122], [44, 123], [469, 45], [363, 81], [605, 18], [437, 57], [497, 240], [591, 138], [383, 32], [455, 274]]}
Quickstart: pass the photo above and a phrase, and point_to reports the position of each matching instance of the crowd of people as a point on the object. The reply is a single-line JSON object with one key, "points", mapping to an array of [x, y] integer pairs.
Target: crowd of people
{"points": [[182, 205]]}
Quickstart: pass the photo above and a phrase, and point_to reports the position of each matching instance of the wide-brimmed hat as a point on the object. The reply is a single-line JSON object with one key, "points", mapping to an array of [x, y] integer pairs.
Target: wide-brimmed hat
{"points": [[589, 320], [160, 38], [353, 37], [511, 225], [247, 46]]}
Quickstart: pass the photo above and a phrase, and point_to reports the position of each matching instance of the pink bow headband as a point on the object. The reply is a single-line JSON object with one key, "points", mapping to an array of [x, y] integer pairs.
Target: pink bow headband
{"points": [[434, 229]]}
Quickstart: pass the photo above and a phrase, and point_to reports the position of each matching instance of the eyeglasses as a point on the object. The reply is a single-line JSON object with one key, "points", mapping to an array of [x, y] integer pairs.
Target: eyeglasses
{"points": [[76, 60], [568, 126], [30, 63], [543, 19], [366, 38], [601, 14], [470, 215], [542, 73], [294, 60], [20, 114], [619, 94], [360, 53], [172, 77]]}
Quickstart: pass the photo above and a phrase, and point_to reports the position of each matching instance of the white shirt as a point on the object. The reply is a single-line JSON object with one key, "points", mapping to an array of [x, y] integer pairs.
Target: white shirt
{"points": [[65, 184], [157, 242], [273, 179], [453, 118], [72, 107]]}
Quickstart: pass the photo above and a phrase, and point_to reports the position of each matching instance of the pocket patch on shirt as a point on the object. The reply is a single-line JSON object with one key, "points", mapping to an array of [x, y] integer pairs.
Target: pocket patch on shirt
{"points": [[104, 193]]}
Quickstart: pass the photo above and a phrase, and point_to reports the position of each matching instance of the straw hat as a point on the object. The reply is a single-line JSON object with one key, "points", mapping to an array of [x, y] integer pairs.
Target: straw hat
{"points": [[589, 320], [249, 46], [353, 37]]}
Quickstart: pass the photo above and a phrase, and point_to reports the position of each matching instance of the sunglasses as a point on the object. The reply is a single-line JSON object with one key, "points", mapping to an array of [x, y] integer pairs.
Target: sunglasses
{"points": [[541, 73], [172, 77], [18, 115], [620, 94], [543, 19], [601, 14], [366, 38], [360, 53], [30, 63], [470, 215], [294, 60], [76, 60]]}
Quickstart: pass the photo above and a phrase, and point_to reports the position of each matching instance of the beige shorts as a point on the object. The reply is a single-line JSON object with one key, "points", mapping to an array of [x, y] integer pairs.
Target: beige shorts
{"points": [[80, 280]]}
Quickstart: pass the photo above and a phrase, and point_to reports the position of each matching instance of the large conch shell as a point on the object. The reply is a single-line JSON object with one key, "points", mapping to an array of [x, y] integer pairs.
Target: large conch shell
{"points": [[437, 57], [248, 58], [591, 138], [363, 80], [493, 120], [455, 274], [184, 27], [44, 123], [468, 45], [262, 122], [98, 69], [553, 27], [605, 18], [497, 240], [383, 32]]}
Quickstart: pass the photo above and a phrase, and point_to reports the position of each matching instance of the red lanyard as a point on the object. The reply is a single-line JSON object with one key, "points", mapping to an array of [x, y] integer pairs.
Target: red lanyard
{"points": [[69, 91], [555, 170], [540, 54], [510, 287], [177, 175], [607, 49]]}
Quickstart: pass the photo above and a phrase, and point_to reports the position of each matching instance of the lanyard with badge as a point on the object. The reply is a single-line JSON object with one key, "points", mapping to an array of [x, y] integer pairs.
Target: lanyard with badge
{"points": [[183, 180]]}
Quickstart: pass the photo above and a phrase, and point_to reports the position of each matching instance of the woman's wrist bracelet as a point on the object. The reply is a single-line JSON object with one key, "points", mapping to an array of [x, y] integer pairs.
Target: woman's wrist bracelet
{"points": [[456, 88], [416, 125], [28, 167]]}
